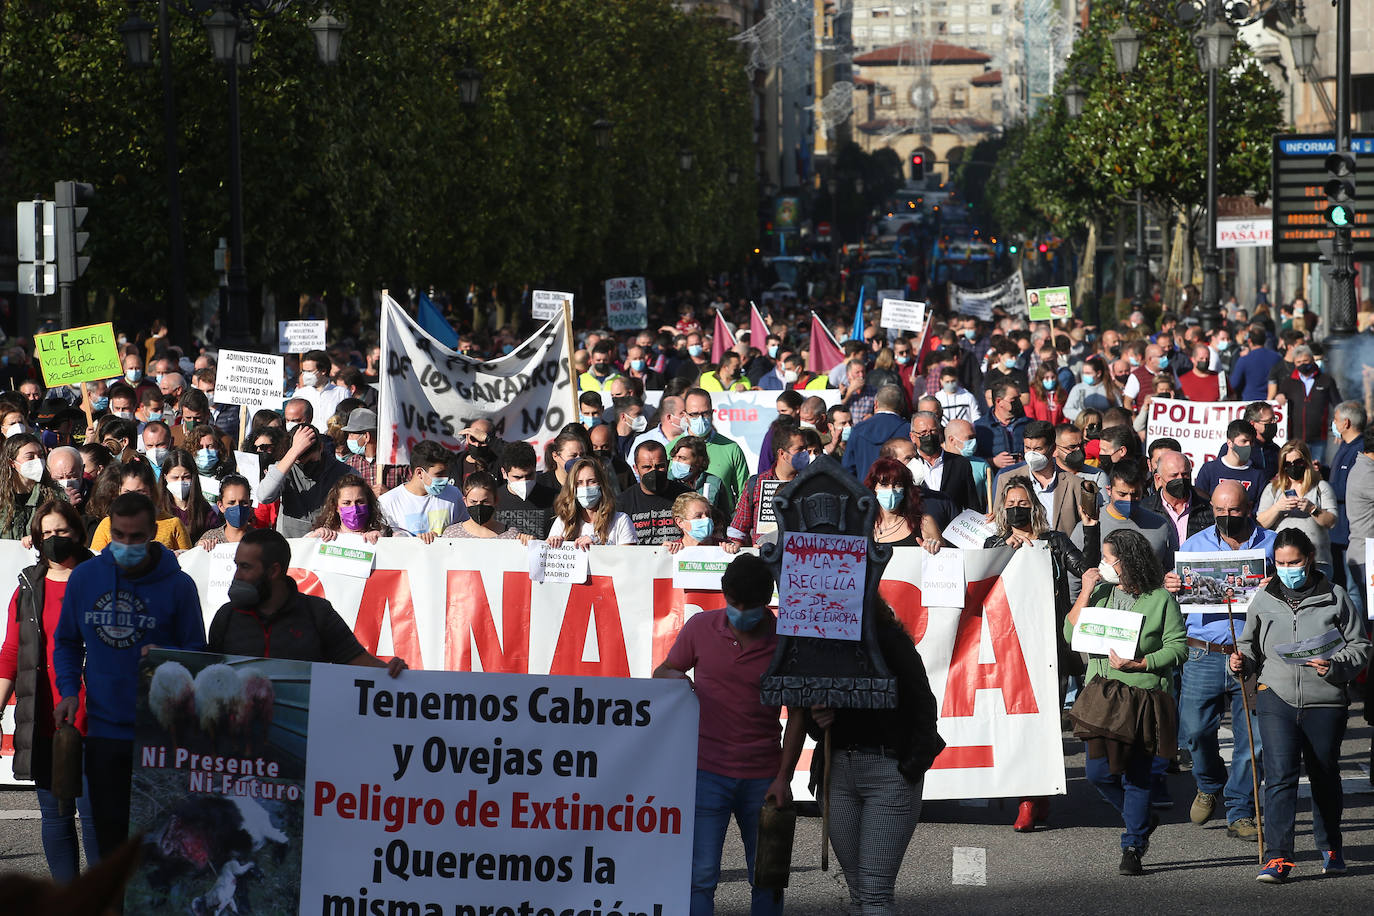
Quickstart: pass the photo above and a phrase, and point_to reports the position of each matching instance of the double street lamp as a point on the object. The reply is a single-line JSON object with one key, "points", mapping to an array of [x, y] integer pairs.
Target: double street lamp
{"points": [[231, 30], [1213, 42]]}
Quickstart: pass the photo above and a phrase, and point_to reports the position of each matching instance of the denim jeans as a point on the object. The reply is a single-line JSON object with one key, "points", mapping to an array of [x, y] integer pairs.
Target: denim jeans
{"points": [[873, 813], [59, 835], [1128, 793], [1310, 736], [719, 797], [1207, 687], [109, 767]]}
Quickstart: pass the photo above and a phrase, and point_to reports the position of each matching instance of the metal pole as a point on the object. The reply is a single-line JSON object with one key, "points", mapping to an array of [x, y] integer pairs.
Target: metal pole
{"points": [[1142, 254], [234, 326], [1209, 309], [177, 311], [1342, 309]]}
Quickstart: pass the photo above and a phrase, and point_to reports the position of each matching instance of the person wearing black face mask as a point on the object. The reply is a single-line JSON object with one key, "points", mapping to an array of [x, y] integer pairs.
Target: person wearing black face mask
{"points": [[1021, 520], [1207, 687], [267, 616], [1311, 396], [480, 495], [1176, 499], [27, 672], [649, 503], [1235, 463]]}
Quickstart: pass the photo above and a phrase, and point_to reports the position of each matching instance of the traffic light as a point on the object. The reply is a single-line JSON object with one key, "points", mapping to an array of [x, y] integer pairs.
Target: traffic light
{"points": [[1340, 189], [918, 167], [71, 196], [1042, 247], [1012, 248]]}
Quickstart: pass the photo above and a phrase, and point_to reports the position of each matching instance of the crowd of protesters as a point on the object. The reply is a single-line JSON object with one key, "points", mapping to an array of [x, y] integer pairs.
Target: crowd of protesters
{"points": [[1041, 427]]}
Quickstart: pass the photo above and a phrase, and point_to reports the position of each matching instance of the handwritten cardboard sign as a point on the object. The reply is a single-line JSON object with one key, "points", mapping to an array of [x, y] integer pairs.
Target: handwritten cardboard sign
{"points": [[821, 590], [78, 355]]}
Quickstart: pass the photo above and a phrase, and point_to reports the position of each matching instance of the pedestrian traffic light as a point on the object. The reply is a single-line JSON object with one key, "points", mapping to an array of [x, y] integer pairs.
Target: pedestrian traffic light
{"points": [[1340, 189], [71, 196], [918, 166], [1042, 248]]}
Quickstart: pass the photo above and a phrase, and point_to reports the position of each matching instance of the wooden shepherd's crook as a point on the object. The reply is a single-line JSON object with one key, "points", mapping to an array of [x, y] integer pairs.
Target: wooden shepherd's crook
{"points": [[825, 807], [1249, 730]]}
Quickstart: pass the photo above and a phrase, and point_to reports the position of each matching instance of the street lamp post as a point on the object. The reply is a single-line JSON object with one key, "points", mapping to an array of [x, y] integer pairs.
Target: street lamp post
{"points": [[231, 31], [1343, 300]]}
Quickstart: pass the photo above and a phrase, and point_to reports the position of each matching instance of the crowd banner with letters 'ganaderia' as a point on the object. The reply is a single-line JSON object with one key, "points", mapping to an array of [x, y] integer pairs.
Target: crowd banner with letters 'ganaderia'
{"points": [[465, 605], [472, 792], [431, 392]]}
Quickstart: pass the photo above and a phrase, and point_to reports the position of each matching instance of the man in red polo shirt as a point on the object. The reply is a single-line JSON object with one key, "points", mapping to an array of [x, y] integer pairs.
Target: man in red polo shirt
{"points": [[739, 751]]}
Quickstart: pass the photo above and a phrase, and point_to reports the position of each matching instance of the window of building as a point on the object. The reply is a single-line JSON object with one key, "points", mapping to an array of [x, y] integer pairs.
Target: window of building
{"points": [[958, 97], [882, 13], [995, 9], [977, 28], [997, 28], [996, 104], [977, 9], [956, 28], [887, 98]]}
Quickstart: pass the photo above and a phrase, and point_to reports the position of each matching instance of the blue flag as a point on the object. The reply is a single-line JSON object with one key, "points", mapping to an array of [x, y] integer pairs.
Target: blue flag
{"points": [[435, 324], [857, 332]]}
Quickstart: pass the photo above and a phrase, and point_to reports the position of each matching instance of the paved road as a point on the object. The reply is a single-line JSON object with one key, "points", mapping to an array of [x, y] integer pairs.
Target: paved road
{"points": [[1066, 869]]}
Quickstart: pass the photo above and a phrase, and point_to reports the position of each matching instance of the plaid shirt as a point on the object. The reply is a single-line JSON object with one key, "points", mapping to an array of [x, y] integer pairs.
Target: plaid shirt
{"points": [[860, 404], [393, 475], [747, 512]]}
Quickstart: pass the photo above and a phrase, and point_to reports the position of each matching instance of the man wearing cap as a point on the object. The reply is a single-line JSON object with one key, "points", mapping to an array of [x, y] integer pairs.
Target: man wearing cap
{"points": [[362, 452]]}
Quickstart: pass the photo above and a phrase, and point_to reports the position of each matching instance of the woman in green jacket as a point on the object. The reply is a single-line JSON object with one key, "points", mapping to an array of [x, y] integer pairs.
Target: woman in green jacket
{"points": [[1125, 712]]}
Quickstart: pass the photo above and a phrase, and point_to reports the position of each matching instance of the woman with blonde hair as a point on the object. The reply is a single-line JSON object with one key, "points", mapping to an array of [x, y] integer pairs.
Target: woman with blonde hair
{"points": [[693, 517], [1298, 498], [584, 510]]}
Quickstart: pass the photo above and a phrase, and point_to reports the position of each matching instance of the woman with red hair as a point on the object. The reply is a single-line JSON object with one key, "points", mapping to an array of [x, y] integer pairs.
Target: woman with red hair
{"points": [[900, 521]]}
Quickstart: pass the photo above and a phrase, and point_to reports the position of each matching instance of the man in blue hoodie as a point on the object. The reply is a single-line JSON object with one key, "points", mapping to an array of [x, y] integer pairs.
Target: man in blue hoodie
{"points": [[131, 596]]}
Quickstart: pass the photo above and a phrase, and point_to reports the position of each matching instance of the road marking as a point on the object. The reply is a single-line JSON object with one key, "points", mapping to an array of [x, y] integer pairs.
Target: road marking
{"points": [[20, 815], [970, 865]]}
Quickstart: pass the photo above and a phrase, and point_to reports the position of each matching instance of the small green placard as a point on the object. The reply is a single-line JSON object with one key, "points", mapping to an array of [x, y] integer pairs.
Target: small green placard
{"points": [[1049, 304], [701, 566], [346, 553], [78, 355]]}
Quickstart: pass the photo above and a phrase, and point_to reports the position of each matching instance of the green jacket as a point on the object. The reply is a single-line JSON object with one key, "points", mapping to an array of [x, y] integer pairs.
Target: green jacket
{"points": [[21, 514], [725, 459], [1163, 640]]}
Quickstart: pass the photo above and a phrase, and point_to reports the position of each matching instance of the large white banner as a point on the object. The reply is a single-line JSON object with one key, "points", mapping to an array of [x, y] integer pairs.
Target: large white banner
{"points": [[431, 392], [509, 793], [463, 605], [1200, 426], [1009, 295]]}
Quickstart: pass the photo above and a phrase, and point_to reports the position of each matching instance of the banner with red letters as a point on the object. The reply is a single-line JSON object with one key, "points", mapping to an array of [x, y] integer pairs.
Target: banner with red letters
{"points": [[465, 605]]}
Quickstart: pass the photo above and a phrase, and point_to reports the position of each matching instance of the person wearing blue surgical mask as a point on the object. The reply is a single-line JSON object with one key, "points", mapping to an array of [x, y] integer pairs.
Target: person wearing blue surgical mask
{"points": [[900, 521], [791, 455], [427, 503], [1302, 706], [694, 519], [585, 513]]}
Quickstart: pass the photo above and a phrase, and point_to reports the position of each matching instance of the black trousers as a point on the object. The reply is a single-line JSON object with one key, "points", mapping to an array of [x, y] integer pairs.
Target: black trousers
{"points": [[109, 769]]}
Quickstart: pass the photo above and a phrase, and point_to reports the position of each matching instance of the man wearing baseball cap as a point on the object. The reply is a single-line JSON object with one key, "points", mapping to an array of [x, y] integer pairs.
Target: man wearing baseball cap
{"points": [[362, 452]]}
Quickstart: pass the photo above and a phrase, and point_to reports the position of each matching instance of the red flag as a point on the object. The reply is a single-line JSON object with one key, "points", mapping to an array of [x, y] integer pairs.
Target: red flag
{"points": [[721, 338], [825, 352], [758, 331]]}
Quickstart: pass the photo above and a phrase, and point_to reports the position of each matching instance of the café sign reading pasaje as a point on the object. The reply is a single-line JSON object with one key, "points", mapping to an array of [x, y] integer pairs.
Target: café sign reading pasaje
{"points": [[1299, 201]]}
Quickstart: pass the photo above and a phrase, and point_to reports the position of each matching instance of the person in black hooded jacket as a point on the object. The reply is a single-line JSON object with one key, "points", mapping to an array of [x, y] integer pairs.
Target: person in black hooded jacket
{"points": [[26, 671]]}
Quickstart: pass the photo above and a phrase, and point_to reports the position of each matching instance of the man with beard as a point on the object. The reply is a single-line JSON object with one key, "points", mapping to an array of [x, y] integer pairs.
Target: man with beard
{"points": [[266, 616], [649, 504]]}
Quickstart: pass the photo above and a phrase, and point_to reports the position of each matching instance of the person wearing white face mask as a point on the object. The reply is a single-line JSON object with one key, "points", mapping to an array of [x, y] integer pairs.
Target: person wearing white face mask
{"points": [[524, 503], [66, 467], [1136, 689], [25, 485], [585, 510], [156, 438], [314, 386], [1060, 493], [180, 481], [12, 422]]}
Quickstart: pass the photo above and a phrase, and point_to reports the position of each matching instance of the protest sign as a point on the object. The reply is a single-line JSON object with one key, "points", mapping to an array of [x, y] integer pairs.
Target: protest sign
{"points": [[1049, 303], [1211, 579], [249, 465], [627, 305], [567, 564], [942, 578], [1368, 575], [222, 569], [78, 355], [1009, 295], [969, 529], [700, 568], [217, 786], [474, 608], [431, 392], [821, 589], [898, 314], [767, 521], [509, 793], [1103, 630], [252, 380], [1200, 426], [348, 554], [546, 304], [301, 336]]}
